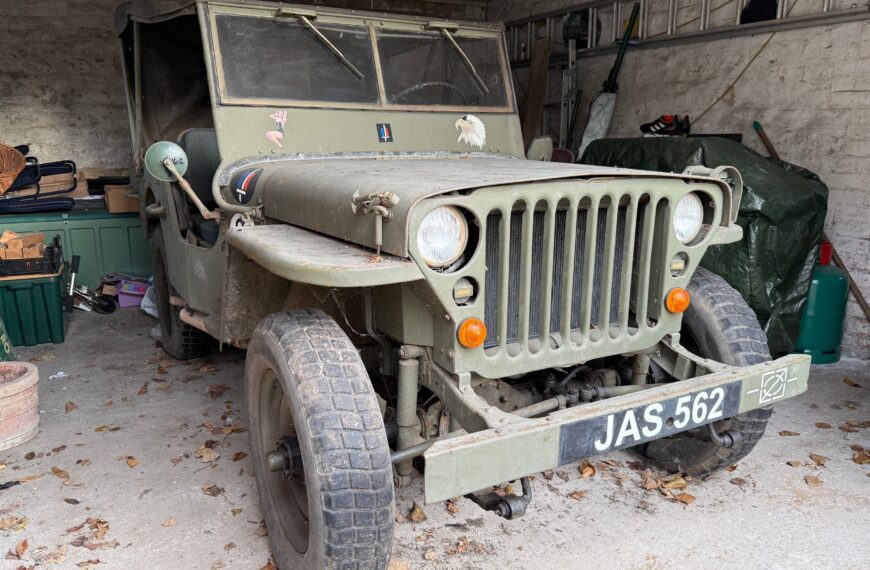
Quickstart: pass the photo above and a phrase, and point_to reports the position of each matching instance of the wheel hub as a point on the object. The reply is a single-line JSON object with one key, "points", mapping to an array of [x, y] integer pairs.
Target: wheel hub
{"points": [[286, 458]]}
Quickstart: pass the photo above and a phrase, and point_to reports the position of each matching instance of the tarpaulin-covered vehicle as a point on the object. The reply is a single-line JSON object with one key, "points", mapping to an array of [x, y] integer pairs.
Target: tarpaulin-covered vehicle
{"points": [[347, 198]]}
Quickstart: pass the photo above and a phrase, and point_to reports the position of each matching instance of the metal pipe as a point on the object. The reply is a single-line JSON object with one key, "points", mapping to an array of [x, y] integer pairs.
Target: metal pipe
{"points": [[406, 410], [672, 17], [194, 319], [640, 369], [541, 407]]}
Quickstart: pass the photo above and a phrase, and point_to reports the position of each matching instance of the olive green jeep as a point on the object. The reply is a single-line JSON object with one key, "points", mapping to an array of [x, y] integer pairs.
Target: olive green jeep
{"points": [[347, 198]]}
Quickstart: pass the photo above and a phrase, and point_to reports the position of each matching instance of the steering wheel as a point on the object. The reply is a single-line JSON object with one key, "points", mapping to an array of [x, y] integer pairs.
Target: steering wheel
{"points": [[405, 93]]}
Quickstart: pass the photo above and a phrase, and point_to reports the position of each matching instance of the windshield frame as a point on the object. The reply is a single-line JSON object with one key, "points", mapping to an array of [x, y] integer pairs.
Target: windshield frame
{"points": [[371, 22]]}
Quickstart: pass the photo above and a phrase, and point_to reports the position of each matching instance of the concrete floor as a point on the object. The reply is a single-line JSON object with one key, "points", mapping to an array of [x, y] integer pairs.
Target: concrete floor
{"points": [[128, 400]]}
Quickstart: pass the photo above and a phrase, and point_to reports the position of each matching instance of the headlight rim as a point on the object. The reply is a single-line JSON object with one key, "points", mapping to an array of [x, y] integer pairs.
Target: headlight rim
{"points": [[698, 233], [459, 214]]}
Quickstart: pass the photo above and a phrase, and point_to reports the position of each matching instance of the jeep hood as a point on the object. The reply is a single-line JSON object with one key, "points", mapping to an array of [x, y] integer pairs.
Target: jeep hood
{"points": [[317, 194]]}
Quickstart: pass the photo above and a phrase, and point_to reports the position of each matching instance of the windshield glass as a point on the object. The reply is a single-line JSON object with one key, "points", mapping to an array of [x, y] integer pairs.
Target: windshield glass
{"points": [[311, 59], [284, 59], [426, 68]]}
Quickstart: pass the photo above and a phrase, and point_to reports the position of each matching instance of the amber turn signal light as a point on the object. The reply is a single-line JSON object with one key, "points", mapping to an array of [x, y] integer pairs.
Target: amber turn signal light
{"points": [[677, 300], [471, 333]]}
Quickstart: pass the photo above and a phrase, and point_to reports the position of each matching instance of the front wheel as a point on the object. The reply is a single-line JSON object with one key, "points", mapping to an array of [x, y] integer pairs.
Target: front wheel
{"points": [[318, 444], [718, 325]]}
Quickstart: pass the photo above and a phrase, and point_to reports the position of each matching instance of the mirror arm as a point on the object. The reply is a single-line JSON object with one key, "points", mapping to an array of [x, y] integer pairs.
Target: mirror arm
{"points": [[205, 212]]}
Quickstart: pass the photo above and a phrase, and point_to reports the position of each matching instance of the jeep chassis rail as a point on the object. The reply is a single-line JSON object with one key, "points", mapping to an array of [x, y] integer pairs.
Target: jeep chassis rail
{"points": [[506, 446]]}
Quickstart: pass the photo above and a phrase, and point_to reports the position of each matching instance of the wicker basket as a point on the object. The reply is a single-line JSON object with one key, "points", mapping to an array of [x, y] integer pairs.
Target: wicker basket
{"points": [[11, 164]]}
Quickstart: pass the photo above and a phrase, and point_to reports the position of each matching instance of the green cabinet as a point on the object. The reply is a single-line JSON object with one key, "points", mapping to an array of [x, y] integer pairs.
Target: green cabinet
{"points": [[106, 242]]}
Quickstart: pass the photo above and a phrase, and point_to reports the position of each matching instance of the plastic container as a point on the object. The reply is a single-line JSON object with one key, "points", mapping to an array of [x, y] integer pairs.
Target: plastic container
{"points": [[32, 309], [19, 403], [130, 293], [821, 329]]}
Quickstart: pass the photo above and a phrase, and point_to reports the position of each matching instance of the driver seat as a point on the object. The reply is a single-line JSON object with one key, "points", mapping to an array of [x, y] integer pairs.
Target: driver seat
{"points": [[200, 145]]}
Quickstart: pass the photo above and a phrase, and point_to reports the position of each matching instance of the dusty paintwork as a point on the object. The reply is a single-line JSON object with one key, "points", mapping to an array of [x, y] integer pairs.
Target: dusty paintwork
{"points": [[321, 205]]}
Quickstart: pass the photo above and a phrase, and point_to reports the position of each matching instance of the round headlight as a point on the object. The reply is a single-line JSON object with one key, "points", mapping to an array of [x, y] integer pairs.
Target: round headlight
{"points": [[442, 236], [688, 217]]}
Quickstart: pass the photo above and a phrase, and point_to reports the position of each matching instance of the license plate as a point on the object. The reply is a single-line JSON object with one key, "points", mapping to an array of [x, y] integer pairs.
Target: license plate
{"points": [[627, 428]]}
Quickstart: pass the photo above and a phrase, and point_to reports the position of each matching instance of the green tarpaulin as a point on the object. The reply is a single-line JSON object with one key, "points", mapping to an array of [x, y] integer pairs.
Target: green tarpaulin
{"points": [[782, 214]]}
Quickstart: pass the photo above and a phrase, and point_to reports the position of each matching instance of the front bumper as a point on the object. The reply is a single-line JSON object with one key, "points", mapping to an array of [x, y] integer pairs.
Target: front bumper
{"points": [[463, 464]]}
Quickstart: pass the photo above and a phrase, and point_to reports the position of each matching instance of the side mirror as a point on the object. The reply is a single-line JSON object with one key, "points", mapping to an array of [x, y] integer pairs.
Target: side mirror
{"points": [[540, 149], [157, 153]]}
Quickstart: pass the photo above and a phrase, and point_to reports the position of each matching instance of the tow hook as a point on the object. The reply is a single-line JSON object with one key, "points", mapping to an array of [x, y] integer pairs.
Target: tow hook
{"points": [[726, 439], [510, 506], [286, 458]]}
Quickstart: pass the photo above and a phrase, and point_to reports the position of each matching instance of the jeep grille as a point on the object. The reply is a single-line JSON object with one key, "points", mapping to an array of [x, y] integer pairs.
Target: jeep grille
{"points": [[567, 266]]}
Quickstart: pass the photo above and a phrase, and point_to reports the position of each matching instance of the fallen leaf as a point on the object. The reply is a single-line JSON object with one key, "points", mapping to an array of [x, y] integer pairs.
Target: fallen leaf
{"points": [[793, 463], [70, 406], [394, 564], [819, 460], [72, 501], [685, 498], [856, 447], [813, 481], [823, 425], [176, 460], [852, 383], [847, 428], [649, 482], [83, 462], [400, 518], [206, 454], [586, 470], [13, 523], [216, 390], [417, 515], [132, 461], [262, 529], [88, 563], [673, 483], [143, 390], [58, 449], [168, 522], [857, 424], [212, 490], [548, 474], [787, 433], [19, 551], [452, 508], [229, 546], [270, 566], [206, 368], [577, 495], [239, 455], [731, 468], [430, 555], [738, 481], [236, 512], [102, 428], [29, 455], [58, 472], [861, 457], [56, 556]]}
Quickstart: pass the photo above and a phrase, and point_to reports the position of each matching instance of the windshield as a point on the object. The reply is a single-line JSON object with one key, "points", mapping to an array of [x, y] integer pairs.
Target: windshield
{"points": [[284, 59], [428, 69], [292, 59]]}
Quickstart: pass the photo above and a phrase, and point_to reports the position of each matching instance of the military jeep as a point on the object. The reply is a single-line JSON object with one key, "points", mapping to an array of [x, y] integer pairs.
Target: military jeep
{"points": [[346, 196]]}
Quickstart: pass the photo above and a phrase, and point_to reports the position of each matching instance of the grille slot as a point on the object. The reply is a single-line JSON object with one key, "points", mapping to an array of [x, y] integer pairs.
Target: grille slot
{"points": [[611, 246]]}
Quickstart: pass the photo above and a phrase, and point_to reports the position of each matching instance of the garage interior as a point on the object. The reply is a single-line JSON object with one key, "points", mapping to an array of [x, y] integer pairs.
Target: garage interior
{"points": [[144, 461]]}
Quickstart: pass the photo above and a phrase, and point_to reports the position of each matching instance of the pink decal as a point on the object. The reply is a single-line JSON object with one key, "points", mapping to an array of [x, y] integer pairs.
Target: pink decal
{"points": [[276, 136]]}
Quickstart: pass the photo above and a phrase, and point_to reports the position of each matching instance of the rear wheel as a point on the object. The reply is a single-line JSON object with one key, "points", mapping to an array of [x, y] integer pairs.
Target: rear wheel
{"points": [[318, 444], [718, 325], [179, 339]]}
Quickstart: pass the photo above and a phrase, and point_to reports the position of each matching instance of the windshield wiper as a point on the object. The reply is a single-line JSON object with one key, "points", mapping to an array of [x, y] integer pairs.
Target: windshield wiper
{"points": [[304, 19], [446, 33]]}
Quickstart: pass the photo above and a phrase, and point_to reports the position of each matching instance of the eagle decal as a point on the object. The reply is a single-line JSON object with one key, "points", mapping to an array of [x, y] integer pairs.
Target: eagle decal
{"points": [[471, 130]]}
